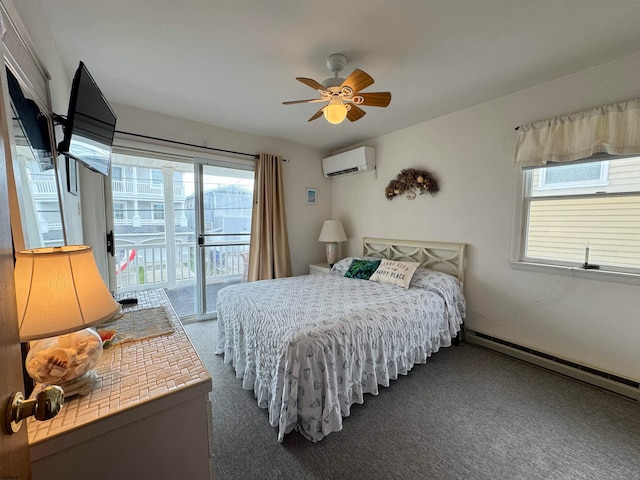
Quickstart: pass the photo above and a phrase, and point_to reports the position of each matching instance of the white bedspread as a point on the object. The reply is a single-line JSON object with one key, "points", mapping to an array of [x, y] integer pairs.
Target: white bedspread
{"points": [[311, 346]]}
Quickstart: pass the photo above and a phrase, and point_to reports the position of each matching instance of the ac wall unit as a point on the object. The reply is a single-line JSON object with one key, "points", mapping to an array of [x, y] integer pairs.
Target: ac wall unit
{"points": [[358, 160]]}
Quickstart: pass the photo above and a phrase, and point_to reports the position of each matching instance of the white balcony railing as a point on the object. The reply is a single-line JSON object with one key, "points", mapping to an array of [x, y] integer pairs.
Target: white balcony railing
{"points": [[43, 190], [147, 221], [145, 266], [135, 187]]}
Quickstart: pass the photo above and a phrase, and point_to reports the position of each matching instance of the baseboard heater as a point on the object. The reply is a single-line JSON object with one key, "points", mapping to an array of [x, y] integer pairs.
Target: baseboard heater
{"points": [[620, 385]]}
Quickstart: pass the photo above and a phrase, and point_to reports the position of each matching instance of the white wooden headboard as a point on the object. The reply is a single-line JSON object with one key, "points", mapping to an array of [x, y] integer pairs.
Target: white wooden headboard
{"points": [[441, 256]]}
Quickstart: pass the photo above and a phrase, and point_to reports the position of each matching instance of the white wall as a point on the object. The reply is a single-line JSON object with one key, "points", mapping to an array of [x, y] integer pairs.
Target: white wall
{"points": [[472, 154]]}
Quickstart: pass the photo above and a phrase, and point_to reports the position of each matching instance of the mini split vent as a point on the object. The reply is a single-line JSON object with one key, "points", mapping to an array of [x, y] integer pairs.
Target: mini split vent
{"points": [[358, 160]]}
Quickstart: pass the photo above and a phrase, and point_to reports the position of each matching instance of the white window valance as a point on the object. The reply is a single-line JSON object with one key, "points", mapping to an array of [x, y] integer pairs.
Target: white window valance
{"points": [[612, 129]]}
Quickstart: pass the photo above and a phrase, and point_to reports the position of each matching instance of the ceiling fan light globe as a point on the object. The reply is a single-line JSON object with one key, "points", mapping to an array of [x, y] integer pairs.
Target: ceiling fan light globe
{"points": [[335, 112]]}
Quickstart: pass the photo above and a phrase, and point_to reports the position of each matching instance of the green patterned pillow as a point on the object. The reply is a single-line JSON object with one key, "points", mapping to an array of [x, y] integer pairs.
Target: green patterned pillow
{"points": [[362, 269]]}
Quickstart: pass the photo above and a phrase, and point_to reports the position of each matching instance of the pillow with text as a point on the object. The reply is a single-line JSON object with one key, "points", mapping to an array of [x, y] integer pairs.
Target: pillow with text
{"points": [[395, 273]]}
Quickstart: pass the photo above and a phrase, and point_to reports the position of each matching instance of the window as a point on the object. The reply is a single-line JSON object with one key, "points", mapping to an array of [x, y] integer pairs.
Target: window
{"points": [[119, 211], [116, 172], [578, 175], [156, 177], [572, 206], [158, 211]]}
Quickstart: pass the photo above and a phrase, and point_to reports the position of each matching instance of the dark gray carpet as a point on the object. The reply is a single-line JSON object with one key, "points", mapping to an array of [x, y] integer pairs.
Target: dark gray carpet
{"points": [[469, 413]]}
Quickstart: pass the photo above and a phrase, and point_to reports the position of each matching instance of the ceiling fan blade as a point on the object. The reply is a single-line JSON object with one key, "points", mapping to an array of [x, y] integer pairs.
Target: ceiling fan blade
{"points": [[357, 80], [312, 83], [313, 100], [355, 113], [318, 114], [373, 99]]}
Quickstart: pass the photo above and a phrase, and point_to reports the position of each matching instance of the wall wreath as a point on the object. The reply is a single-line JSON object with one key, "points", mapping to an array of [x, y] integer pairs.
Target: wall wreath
{"points": [[411, 182]]}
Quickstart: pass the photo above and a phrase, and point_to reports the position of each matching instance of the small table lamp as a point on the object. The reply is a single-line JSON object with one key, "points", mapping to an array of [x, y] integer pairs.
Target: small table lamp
{"points": [[332, 233], [60, 292]]}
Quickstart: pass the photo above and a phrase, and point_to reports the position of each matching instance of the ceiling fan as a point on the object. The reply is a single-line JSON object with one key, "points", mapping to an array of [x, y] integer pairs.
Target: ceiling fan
{"points": [[343, 95]]}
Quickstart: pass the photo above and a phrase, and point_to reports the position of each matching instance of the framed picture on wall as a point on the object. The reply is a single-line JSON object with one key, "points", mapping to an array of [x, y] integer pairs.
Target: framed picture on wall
{"points": [[312, 196], [72, 176]]}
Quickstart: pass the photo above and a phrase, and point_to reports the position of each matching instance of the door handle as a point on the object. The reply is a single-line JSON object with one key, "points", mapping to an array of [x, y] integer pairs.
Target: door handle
{"points": [[110, 244], [45, 406]]}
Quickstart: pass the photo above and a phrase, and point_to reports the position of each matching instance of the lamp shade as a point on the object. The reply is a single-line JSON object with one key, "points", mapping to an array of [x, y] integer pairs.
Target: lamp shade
{"points": [[332, 231], [59, 290]]}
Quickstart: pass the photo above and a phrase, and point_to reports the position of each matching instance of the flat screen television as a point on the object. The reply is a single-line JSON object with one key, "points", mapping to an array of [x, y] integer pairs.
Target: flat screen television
{"points": [[90, 124]]}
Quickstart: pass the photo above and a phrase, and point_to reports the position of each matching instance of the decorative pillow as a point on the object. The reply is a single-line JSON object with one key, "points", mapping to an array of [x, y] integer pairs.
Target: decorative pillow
{"points": [[395, 273], [362, 269]]}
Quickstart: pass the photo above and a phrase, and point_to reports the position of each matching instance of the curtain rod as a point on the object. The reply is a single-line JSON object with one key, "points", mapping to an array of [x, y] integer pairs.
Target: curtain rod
{"points": [[255, 156]]}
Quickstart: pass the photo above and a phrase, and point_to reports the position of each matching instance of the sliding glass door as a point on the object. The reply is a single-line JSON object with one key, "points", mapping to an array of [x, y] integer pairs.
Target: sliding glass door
{"points": [[182, 225], [148, 197], [222, 203]]}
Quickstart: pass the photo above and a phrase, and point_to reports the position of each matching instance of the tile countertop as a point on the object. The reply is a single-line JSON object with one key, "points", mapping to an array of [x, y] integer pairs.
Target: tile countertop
{"points": [[135, 379]]}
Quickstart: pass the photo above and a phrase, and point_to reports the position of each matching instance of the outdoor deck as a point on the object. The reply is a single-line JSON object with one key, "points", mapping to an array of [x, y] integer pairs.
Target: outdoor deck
{"points": [[183, 299]]}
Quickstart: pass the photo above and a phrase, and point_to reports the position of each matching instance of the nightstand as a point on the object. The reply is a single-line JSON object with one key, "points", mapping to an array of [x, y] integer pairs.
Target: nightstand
{"points": [[319, 268]]}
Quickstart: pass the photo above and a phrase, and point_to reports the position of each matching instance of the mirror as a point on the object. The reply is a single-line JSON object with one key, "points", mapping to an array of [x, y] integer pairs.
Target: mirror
{"points": [[34, 171]]}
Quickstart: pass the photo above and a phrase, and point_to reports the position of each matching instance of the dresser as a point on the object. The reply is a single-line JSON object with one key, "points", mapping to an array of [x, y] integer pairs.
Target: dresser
{"points": [[148, 416]]}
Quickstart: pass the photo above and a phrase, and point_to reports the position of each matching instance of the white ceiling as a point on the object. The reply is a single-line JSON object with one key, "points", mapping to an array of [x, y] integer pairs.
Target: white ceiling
{"points": [[232, 63]]}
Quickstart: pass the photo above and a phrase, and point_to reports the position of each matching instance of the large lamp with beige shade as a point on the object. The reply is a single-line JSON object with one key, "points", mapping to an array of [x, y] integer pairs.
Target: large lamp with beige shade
{"points": [[60, 294], [332, 233]]}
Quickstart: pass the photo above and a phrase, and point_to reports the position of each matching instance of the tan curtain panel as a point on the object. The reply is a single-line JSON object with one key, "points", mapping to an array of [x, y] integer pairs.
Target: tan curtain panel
{"points": [[612, 129], [269, 250]]}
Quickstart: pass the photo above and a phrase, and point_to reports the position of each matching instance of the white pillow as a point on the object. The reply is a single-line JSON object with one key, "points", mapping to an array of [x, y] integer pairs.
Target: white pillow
{"points": [[341, 266], [445, 285], [395, 273]]}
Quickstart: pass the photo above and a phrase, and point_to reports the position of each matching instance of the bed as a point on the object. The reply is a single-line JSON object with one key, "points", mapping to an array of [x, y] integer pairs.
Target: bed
{"points": [[311, 346]]}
